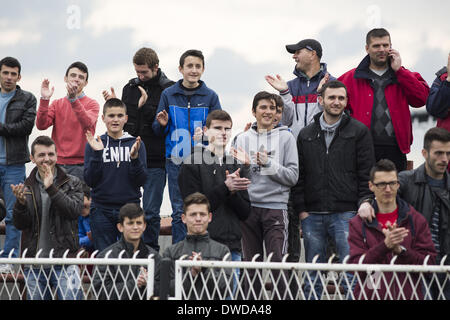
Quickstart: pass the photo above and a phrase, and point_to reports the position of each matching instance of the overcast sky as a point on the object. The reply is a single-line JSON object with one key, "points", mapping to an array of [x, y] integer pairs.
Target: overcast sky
{"points": [[242, 40]]}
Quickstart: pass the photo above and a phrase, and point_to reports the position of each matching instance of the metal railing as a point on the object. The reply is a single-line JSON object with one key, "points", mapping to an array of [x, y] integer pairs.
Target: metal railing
{"points": [[76, 278], [316, 281], [108, 278]]}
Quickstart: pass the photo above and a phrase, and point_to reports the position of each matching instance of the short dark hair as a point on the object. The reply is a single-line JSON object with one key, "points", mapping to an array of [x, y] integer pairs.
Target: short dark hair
{"points": [[43, 141], [262, 95], [195, 198], [435, 134], [10, 62], [377, 33], [278, 101], [113, 102], [146, 56], [383, 165], [221, 115], [332, 84], [78, 65], [130, 211], [194, 53]]}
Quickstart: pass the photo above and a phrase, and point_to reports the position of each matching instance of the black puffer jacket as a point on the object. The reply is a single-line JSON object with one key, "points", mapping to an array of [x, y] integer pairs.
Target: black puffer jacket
{"points": [[140, 119], [415, 190], [66, 204], [112, 282], [19, 122], [208, 177], [333, 181]]}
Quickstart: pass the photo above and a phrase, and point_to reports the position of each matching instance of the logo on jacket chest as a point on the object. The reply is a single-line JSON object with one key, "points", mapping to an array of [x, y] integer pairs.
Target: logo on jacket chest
{"points": [[116, 154]]}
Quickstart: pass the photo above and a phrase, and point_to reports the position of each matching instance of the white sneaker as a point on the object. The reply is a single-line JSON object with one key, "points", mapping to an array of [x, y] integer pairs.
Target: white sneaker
{"points": [[6, 268]]}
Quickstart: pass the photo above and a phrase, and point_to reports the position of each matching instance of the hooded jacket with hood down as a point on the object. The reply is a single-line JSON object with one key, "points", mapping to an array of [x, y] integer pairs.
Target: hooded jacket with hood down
{"points": [[114, 177], [368, 239]]}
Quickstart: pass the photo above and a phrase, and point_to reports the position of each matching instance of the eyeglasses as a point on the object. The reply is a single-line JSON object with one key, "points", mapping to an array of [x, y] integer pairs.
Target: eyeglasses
{"points": [[383, 185]]}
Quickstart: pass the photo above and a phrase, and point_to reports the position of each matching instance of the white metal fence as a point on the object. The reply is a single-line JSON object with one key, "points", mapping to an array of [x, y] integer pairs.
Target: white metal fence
{"points": [[76, 278], [117, 278], [305, 281]]}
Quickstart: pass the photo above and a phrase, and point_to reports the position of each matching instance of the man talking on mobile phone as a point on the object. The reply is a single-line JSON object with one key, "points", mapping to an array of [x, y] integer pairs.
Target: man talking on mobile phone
{"points": [[380, 91]]}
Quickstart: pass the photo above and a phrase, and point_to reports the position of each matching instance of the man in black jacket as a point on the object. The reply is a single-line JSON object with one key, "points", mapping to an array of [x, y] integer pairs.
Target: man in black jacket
{"points": [[127, 282], [17, 115], [209, 170], [427, 189], [47, 209], [141, 96], [335, 157]]}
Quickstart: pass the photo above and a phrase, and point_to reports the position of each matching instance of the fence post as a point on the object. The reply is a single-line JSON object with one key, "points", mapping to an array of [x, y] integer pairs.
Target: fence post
{"points": [[164, 278]]}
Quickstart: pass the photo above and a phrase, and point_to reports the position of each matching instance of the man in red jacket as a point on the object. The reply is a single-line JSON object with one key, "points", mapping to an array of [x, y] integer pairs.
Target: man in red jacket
{"points": [[70, 116], [397, 230], [380, 92]]}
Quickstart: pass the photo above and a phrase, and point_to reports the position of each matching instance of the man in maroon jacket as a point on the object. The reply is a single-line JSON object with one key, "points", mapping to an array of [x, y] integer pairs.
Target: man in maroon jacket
{"points": [[398, 230], [380, 92]]}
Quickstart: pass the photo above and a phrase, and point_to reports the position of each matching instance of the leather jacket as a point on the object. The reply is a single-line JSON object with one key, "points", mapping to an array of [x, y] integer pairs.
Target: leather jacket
{"points": [[66, 196]]}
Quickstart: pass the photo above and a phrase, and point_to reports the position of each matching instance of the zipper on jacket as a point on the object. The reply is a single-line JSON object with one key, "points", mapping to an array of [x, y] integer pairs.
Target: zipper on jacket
{"points": [[37, 219], [189, 115]]}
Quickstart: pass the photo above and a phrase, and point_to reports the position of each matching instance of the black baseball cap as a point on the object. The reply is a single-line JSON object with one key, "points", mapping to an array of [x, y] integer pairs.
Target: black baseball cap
{"points": [[309, 44]]}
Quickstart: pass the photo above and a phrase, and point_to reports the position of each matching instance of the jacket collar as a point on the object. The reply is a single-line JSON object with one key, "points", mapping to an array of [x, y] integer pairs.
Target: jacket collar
{"points": [[61, 176], [420, 176], [320, 74], [197, 237], [202, 89], [129, 248], [362, 70], [403, 210], [345, 119]]}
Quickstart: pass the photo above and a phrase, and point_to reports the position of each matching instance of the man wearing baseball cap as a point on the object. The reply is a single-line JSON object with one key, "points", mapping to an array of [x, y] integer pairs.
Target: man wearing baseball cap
{"points": [[300, 94]]}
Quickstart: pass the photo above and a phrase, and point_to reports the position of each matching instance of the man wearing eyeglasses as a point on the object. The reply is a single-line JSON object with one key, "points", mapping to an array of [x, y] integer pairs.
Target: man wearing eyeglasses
{"points": [[396, 230], [427, 189]]}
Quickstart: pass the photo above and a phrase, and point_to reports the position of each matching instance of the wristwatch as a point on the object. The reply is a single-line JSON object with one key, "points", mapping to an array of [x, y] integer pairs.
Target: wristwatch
{"points": [[403, 250]]}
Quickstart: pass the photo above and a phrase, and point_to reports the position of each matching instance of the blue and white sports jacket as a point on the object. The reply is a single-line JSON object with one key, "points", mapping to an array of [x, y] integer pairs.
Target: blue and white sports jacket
{"points": [[186, 112]]}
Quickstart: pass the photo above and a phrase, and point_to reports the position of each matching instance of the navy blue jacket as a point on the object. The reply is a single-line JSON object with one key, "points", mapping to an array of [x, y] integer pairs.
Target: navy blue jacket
{"points": [[114, 177]]}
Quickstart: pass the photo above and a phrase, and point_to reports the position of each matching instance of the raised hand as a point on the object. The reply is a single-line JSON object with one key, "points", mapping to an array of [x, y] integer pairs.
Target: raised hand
{"points": [[107, 95], [262, 158], [163, 118], [198, 134], [323, 81], [95, 143], [72, 89], [134, 152], [277, 82], [240, 155], [48, 175], [248, 126], [394, 236], [46, 92], [143, 98], [396, 60], [19, 192]]}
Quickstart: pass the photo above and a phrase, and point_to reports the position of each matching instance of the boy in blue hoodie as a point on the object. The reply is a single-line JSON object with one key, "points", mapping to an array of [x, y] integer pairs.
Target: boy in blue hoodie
{"points": [[114, 167], [182, 109]]}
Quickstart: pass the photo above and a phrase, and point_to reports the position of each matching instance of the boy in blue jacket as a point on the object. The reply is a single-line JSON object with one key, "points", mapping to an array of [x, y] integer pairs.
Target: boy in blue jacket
{"points": [[182, 110], [114, 167]]}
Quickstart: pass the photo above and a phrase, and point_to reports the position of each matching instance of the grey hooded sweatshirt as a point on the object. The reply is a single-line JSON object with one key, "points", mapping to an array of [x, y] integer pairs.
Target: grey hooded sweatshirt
{"points": [[270, 184]]}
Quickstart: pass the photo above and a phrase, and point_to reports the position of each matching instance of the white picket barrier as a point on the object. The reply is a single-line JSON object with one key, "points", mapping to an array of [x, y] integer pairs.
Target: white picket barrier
{"points": [[74, 277], [299, 281]]}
